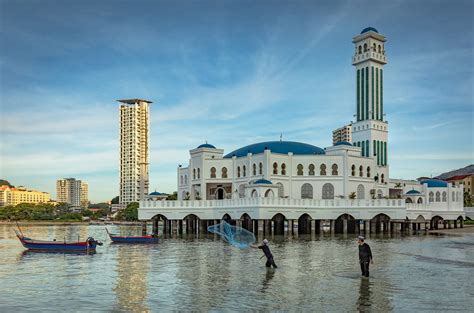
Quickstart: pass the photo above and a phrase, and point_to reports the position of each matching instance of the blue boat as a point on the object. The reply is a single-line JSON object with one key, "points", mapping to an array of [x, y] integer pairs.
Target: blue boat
{"points": [[42, 245], [132, 239]]}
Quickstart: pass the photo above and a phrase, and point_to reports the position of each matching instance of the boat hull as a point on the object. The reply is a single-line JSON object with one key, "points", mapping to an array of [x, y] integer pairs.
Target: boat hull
{"points": [[36, 245], [146, 239]]}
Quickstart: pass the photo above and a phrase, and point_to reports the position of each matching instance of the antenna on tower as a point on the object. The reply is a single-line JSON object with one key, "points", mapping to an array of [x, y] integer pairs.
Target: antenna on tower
{"points": [[281, 136]]}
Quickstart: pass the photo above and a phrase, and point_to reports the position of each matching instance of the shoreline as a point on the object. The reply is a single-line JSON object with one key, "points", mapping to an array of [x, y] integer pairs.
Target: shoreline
{"points": [[467, 229], [68, 223]]}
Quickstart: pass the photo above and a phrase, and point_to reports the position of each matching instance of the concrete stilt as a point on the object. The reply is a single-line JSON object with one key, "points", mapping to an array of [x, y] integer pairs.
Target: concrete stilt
{"points": [[313, 227], [144, 228], [389, 227], [373, 227], [333, 227], [455, 224], [461, 223], [344, 226], [449, 224]]}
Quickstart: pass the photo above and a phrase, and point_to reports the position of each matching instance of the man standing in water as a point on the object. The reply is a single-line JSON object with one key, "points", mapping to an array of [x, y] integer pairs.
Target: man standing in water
{"points": [[268, 254], [365, 256]]}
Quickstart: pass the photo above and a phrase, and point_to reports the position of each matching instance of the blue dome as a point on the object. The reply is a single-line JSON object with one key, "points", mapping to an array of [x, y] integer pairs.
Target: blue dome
{"points": [[342, 143], [262, 181], [282, 147], [434, 183], [206, 145], [156, 193], [413, 192], [369, 29]]}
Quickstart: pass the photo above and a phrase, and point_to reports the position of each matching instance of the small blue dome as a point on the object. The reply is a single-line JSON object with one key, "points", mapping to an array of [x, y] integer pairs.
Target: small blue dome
{"points": [[434, 183], [282, 147], [156, 193], [206, 145], [342, 143], [413, 192], [369, 29], [263, 181]]}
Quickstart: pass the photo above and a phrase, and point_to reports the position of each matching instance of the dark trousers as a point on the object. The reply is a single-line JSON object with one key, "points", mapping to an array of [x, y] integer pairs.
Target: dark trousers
{"points": [[270, 263], [364, 267]]}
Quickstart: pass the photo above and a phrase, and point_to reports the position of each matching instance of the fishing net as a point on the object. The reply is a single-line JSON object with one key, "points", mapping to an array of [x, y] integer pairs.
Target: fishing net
{"points": [[236, 236]]}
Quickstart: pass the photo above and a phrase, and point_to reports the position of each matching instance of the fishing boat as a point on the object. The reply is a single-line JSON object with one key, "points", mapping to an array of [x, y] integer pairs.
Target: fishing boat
{"points": [[42, 245], [132, 239]]}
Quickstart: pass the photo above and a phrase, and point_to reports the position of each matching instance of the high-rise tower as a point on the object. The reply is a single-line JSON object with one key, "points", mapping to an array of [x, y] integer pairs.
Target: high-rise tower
{"points": [[370, 131], [134, 134]]}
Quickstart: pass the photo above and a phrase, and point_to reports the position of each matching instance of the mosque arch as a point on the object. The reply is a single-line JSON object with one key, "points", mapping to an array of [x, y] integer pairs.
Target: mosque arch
{"points": [[278, 224], [283, 169], [304, 224], [244, 171], [374, 47], [246, 222], [220, 193], [254, 169], [275, 168], [419, 201], [361, 171], [260, 168], [365, 47], [431, 197], [226, 217], [269, 194], [254, 193], [322, 170], [194, 173], [299, 170], [368, 171], [199, 173], [438, 196], [360, 49], [382, 178], [408, 200], [306, 191], [380, 49], [444, 196], [213, 172], [328, 191], [353, 170], [238, 171], [360, 191], [311, 170], [345, 218], [224, 172], [334, 170]]}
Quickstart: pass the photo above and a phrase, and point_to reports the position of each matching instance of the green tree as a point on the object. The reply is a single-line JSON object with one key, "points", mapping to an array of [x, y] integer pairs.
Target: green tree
{"points": [[115, 200], [130, 213], [173, 196], [467, 199]]}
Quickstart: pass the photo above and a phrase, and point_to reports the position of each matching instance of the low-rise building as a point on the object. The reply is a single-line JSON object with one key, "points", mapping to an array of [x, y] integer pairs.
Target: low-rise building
{"points": [[342, 134], [13, 196], [466, 180]]}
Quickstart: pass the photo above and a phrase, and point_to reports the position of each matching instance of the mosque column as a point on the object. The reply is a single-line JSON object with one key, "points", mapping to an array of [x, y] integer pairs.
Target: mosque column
{"points": [[344, 226], [144, 228], [295, 228], [333, 227], [389, 227], [461, 223], [155, 226], [175, 226], [290, 227], [313, 226], [455, 223]]}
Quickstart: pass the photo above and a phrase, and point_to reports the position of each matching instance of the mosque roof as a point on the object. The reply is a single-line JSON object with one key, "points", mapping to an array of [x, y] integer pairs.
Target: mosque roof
{"points": [[206, 145], [434, 183], [413, 192], [156, 193], [282, 147], [369, 29], [343, 143], [263, 182]]}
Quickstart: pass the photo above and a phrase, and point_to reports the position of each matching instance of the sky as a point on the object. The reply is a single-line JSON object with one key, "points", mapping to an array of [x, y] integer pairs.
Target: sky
{"points": [[227, 72]]}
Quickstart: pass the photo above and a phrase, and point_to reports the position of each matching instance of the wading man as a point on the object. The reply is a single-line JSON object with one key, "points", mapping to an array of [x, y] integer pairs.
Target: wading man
{"points": [[268, 254], [365, 256]]}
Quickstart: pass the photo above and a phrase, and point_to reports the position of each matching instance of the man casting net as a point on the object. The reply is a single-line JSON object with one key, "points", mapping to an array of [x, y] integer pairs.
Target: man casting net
{"points": [[237, 236]]}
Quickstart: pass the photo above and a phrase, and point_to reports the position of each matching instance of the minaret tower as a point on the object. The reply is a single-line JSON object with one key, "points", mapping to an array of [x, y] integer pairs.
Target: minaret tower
{"points": [[370, 131]]}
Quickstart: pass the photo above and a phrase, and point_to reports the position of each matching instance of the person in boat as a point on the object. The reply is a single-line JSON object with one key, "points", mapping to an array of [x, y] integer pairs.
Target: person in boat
{"points": [[365, 256], [266, 250]]}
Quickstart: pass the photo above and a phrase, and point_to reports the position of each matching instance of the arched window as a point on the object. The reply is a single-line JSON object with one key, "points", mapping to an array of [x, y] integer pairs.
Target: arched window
{"points": [[444, 196], [360, 192], [438, 196], [380, 49], [254, 169], [353, 170], [199, 173], [408, 200], [453, 198], [224, 172], [269, 194], [238, 171], [379, 194], [283, 169], [334, 170], [322, 170], [254, 193], [328, 191], [299, 170], [311, 170], [260, 168], [242, 191], [275, 168], [420, 200], [360, 49], [365, 47], [306, 191], [194, 173], [431, 196], [280, 190], [368, 171], [375, 47], [361, 171], [244, 171], [382, 178], [213, 172]]}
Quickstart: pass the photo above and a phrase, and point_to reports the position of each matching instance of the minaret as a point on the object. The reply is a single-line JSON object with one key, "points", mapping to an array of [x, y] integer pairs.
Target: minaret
{"points": [[370, 131]]}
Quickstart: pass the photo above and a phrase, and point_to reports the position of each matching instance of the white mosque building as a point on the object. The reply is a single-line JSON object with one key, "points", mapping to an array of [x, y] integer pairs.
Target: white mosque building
{"points": [[276, 183]]}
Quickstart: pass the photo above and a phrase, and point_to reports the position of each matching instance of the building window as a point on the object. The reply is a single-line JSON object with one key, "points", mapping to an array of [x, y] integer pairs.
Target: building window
{"points": [[213, 172], [382, 178], [199, 173], [194, 173], [275, 168], [322, 170], [361, 171], [306, 191], [360, 192], [365, 47], [453, 198], [254, 193], [353, 170], [375, 47], [431, 197], [444, 196], [334, 170], [408, 200], [238, 171], [368, 171], [254, 169], [283, 169], [420, 200], [360, 49], [260, 168], [380, 49], [311, 170], [438, 196], [224, 172], [299, 171], [244, 171], [328, 191]]}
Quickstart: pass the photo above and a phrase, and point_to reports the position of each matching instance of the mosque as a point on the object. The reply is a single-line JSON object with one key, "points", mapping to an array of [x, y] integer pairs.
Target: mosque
{"points": [[278, 186]]}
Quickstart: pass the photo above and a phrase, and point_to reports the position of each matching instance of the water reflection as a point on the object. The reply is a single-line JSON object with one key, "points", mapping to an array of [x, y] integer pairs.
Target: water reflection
{"points": [[268, 278], [364, 302]]}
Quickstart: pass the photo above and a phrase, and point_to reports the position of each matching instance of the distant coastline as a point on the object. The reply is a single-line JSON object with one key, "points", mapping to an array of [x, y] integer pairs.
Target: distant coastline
{"points": [[66, 223]]}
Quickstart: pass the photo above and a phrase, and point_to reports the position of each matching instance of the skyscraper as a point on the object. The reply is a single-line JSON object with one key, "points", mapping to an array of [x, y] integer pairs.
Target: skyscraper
{"points": [[370, 131], [84, 194], [342, 134], [134, 134], [72, 191]]}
